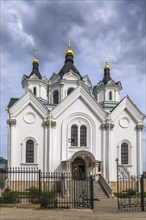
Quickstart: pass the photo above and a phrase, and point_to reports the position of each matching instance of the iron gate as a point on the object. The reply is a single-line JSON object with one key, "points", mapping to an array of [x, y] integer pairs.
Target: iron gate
{"points": [[131, 190], [52, 190]]}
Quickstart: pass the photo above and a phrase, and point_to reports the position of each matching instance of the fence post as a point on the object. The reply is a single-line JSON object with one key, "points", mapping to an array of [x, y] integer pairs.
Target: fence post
{"points": [[118, 193], [142, 192], [91, 192], [39, 186]]}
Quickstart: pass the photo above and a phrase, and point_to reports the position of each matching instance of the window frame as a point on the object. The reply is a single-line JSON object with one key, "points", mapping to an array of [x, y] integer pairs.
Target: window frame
{"points": [[110, 96], [71, 89], [124, 153], [83, 136], [74, 135], [56, 97], [29, 152], [35, 90]]}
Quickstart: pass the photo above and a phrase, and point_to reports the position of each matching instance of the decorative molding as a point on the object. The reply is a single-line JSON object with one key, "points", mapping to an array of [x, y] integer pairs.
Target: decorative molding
{"points": [[83, 154], [11, 122], [124, 122], [47, 123], [123, 172], [107, 125], [29, 118], [139, 127]]}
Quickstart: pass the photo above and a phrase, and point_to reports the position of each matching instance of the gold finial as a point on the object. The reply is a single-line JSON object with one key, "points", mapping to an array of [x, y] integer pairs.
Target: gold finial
{"points": [[106, 58], [35, 56], [69, 50], [107, 65], [68, 44]]}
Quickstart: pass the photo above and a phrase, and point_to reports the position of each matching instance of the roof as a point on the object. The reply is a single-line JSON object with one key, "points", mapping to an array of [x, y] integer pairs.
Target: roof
{"points": [[68, 65], [12, 102], [35, 70], [135, 106]]}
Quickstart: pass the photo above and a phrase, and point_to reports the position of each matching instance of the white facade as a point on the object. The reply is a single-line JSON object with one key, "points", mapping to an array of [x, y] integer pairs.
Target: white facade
{"points": [[76, 130]]}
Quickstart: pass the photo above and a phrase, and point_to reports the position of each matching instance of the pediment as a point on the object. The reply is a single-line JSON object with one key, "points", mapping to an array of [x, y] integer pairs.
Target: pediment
{"points": [[44, 79], [54, 78], [34, 76], [87, 81], [82, 94], [26, 100], [127, 105], [71, 76]]}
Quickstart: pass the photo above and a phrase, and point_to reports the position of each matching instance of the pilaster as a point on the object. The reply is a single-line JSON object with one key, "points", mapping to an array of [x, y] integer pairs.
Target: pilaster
{"points": [[139, 128]]}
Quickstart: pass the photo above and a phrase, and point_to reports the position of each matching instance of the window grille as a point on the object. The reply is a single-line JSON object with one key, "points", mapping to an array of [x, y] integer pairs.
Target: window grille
{"points": [[83, 135], [29, 151], [74, 135], [124, 153], [56, 97]]}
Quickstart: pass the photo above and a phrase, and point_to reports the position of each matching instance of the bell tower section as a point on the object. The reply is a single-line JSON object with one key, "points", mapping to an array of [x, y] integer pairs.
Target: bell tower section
{"points": [[107, 91]]}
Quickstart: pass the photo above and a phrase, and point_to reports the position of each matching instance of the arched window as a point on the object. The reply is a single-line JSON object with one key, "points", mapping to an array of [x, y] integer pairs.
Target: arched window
{"points": [[124, 153], [56, 97], [110, 95], [34, 90], [83, 135], [29, 151], [74, 135], [69, 90]]}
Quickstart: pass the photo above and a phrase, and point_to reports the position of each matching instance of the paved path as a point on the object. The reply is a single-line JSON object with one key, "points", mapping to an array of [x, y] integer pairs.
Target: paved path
{"points": [[104, 210]]}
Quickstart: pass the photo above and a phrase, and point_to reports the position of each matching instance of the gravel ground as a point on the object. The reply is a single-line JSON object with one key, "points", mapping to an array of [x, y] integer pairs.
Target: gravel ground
{"points": [[104, 210]]}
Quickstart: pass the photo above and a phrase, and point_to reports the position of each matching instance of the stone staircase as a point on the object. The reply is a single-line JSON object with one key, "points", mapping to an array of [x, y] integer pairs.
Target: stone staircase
{"points": [[99, 192]]}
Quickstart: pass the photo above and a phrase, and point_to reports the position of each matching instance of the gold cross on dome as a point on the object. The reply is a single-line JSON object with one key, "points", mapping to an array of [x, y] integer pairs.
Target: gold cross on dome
{"points": [[106, 59], [68, 43], [35, 53]]}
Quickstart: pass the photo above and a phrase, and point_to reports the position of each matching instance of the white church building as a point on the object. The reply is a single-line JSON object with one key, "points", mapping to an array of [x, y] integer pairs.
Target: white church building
{"points": [[63, 124]]}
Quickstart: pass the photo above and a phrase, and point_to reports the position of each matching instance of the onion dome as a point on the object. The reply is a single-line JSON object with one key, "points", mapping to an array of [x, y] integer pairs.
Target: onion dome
{"points": [[69, 63], [107, 67], [69, 50], [35, 64], [106, 77]]}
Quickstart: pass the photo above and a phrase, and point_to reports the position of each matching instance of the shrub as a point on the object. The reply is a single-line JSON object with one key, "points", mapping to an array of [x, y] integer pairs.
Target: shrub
{"points": [[48, 200], [9, 196], [131, 192], [34, 195]]}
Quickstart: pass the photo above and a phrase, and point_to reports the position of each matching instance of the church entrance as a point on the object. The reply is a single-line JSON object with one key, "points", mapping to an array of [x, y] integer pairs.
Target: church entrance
{"points": [[79, 168]]}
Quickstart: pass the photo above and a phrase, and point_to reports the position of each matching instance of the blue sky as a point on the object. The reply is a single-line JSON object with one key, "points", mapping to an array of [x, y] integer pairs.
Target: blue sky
{"points": [[95, 28]]}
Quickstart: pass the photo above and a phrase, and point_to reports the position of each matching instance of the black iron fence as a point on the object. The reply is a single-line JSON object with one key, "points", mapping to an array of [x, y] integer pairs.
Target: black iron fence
{"points": [[52, 190], [131, 190]]}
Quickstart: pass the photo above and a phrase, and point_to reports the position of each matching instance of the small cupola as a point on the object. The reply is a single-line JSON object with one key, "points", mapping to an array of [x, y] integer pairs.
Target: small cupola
{"points": [[69, 63], [35, 66], [106, 77], [107, 91]]}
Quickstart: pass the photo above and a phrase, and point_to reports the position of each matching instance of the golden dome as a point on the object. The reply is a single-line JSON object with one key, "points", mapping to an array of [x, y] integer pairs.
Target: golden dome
{"points": [[69, 50], [35, 60], [107, 67]]}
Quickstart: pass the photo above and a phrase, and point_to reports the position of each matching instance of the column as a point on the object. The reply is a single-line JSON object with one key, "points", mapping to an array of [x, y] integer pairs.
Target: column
{"points": [[11, 152], [96, 170], [45, 147], [103, 150], [68, 167], [61, 91], [108, 153], [139, 129], [40, 91]]}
